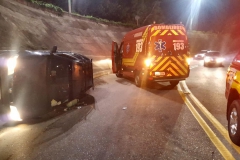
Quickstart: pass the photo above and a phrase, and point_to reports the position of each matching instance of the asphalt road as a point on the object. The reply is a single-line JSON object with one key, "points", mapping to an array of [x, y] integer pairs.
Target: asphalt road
{"points": [[118, 120]]}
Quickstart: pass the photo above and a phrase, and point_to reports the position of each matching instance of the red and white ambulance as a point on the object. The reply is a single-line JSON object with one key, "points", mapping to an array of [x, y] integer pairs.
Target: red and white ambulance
{"points": [[151, 53]]}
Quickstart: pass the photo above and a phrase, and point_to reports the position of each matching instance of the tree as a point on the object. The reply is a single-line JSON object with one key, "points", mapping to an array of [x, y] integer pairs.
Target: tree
{"points": [[116, 10]]}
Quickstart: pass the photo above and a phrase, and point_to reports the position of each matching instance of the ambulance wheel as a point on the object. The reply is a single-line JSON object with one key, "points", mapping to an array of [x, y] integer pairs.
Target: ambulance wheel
{"points": [[174, 83], [137, 80], [234, 122], [119, 74]]}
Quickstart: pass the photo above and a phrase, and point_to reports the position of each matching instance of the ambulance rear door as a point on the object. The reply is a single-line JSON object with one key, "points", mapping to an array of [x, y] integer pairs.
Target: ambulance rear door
{"points": [[169, 50], [116, 58]]}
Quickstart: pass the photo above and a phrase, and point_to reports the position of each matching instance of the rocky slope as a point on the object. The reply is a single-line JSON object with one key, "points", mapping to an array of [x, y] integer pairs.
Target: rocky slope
{"points": [[25, 27]]}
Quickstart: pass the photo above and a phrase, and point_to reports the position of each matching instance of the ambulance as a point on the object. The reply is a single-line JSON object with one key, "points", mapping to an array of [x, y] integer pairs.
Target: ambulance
{"points": [[153, 53]]}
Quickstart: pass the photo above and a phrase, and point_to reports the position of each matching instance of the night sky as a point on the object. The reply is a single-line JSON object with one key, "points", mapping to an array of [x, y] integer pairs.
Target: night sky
{"points": [[209, 15]]}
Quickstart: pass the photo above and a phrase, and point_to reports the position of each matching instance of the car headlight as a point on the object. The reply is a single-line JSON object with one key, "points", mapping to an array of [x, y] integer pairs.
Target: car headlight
{"points": [[219, 60], [207, 59], [14, 114], [11, 63]]}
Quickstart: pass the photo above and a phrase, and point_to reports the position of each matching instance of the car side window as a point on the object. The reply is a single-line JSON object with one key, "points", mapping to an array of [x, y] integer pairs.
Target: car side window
{"points": [[60, 67]]}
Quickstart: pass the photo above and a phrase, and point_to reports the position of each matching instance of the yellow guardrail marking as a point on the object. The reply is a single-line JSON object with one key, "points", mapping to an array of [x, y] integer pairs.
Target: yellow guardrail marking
{"points": [[218, 144], [211, 118]]}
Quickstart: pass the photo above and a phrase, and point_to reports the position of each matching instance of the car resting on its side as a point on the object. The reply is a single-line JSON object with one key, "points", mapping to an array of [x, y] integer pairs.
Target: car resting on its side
{"points": [[43, 80]]}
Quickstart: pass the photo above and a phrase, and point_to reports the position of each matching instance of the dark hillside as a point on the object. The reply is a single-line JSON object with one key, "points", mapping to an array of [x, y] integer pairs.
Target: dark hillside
{"points": [[24, 27]]}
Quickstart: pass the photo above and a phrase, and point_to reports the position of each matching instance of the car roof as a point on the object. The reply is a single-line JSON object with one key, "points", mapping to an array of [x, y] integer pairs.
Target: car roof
{"points": [[213, 52]]}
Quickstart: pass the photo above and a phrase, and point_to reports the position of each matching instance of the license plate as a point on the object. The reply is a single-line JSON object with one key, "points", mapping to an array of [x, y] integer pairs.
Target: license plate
{"points": [[159, 73]]}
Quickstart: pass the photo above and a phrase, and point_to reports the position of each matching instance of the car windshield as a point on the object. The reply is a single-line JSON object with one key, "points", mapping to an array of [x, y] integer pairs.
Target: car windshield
{"points": [[203, 52], [213, 54]]}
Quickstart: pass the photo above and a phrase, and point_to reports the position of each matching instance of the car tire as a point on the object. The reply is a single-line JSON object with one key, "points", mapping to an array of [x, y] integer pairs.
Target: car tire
{"points": [[174, 83], [234, 122], [137, 80]]}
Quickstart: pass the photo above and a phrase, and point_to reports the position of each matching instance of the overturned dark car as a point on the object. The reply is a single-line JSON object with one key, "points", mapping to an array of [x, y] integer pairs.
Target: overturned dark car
{"points": [[43, 80]]}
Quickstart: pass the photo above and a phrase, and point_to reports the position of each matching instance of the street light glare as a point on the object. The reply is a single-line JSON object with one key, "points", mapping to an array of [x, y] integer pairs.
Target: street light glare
{"points": [[194, 11]]}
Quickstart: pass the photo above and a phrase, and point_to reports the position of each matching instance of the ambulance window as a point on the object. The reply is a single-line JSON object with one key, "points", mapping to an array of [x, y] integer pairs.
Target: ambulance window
{"points": [[121, 51]]}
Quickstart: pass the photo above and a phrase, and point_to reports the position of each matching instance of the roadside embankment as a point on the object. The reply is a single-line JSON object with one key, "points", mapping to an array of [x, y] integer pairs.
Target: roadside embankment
{"points": [[24, 27]]}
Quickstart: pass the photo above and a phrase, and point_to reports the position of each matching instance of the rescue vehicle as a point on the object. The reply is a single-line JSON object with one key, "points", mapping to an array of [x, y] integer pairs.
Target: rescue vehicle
{"points": [[153, 53], [232, 94]]}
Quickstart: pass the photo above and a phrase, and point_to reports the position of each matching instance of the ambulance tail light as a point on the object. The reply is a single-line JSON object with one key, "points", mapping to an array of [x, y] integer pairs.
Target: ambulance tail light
{"points": [[148, 62], [189, 60]]}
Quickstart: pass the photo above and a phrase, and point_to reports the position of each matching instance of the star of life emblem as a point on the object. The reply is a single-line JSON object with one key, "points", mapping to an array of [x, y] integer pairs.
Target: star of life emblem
{"points": [[160, 45]]}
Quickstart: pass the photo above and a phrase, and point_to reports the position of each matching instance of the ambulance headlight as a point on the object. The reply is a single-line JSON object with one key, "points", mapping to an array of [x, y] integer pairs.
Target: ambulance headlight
{"points": [[11, 63], [14, 114]]}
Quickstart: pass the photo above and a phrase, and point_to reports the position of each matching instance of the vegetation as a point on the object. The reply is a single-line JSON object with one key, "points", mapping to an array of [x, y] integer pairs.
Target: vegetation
{"points": [[47, 5], [124, 11], [135, 13]]}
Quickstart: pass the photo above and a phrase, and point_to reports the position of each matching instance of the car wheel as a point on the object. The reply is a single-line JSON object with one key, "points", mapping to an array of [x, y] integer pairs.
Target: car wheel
{"points": [[234, 122], [174, 83], [137, 80]]}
